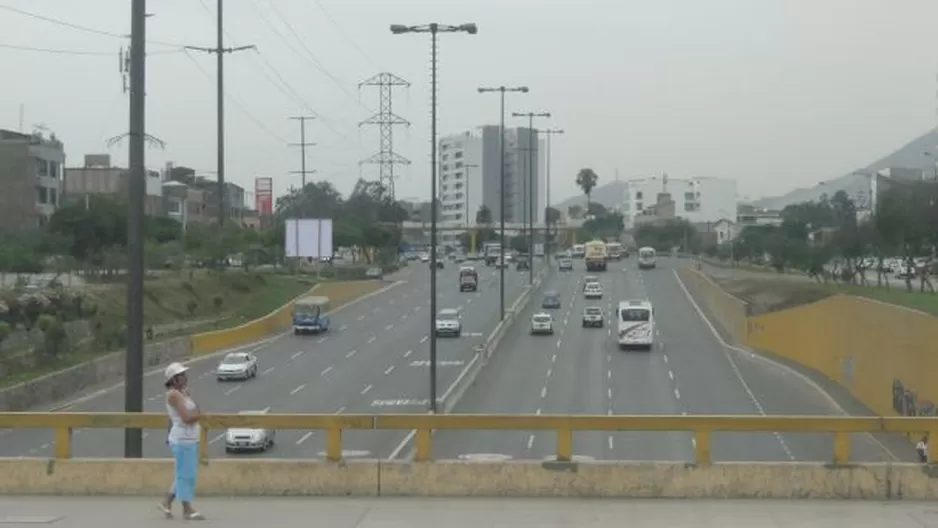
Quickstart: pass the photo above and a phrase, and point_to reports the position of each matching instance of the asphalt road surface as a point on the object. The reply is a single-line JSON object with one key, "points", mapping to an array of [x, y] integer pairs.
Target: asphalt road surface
{"points": [[373, 360], [582, 371]]}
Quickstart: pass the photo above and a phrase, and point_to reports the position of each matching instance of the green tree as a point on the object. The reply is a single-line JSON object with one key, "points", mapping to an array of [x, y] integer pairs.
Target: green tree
{"points": [[484, 215], [91, 225], [575, 211], [587, 179]]}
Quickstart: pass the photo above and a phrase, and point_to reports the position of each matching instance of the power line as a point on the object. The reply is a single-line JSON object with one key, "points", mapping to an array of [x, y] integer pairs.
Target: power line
{"points": [[79, 27], [345, 35], [59, 51]]}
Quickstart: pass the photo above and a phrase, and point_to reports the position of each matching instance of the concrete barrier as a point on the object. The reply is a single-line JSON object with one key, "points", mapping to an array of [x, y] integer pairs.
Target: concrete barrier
{"points": [[272, 477]]}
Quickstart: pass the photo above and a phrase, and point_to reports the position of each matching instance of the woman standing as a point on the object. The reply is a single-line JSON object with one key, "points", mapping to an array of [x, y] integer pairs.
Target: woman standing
{"points": [[183, 439]]}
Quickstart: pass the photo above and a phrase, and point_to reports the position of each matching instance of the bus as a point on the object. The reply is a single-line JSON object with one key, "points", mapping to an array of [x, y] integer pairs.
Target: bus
{"points": [[646, 258], [636, 324], [614, 250]]}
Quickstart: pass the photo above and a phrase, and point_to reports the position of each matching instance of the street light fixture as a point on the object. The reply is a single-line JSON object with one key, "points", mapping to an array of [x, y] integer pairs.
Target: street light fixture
{"points": [[433, 29], [501, 200], [548, 132], [530, 116]]}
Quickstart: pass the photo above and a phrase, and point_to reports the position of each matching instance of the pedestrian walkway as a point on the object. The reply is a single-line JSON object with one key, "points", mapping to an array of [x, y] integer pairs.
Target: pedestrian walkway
{"points": [[113, 512]]}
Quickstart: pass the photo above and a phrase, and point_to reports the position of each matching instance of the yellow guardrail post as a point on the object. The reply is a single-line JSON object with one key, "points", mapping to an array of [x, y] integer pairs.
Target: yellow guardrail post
{"points": [[841, 447], [702, 439], [564, 445], [424, 445], [334, 444], [63, 442]]}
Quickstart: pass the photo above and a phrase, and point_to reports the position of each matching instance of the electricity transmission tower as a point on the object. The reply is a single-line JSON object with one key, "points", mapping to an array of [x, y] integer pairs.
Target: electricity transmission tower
{"points": [[385, 119]]}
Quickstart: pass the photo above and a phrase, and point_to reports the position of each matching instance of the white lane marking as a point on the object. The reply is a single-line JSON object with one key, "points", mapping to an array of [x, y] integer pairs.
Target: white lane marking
{"points": [[216, 438], [366, 389], [543, 392], [298, 354], [424, 339], [403, 317], [340, 410], [360, 317], [609, 393], [325, 371], [321, 340], [693, 442], [266, 371], [671, 374], [231, 390], [408, 353], [608, 374], [677, 394], [735, 368], [304, 438], [558, 343], [351, 353], [372, 339], [343, 327], [530, 441], [665, 356], [389, 327], [609, 331], [389, 370], [553, 358], [610, 443], [549, 372], [298, 389], [538, 412]]}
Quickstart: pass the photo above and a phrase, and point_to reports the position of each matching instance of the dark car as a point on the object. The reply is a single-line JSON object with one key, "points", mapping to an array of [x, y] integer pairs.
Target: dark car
{"points": [[551, 300], [522, 265]]}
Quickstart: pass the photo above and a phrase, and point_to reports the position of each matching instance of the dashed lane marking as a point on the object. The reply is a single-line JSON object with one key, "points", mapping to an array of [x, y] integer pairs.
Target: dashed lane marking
{"points": [[304, 438], [297, 354], [530, 441], [343, 327], [232, 390], [372, 339], [325, 371], [389, 370], [351, 353], [267, 371], [543, 392], [677, 394], [321, 340], [424, 339], [366, 389], [298, 389], [408, 353]]}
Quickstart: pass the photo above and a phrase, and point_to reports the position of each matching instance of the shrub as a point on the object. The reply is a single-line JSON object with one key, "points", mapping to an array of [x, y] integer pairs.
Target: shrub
{"points": [[218, 300], [192, 306]]}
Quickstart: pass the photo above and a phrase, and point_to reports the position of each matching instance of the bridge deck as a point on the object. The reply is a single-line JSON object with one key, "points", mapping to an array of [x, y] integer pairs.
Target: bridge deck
{"points": [[107, 512]]}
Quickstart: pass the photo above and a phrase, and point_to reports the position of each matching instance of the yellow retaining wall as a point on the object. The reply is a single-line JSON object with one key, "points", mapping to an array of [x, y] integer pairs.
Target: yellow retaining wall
{"points": [[260, 477], [729, 311], [867, 346], [339, 293]]}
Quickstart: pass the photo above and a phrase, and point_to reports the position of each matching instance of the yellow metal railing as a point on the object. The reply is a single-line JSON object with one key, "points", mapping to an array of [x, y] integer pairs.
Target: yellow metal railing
{"points": [[701, 426]]}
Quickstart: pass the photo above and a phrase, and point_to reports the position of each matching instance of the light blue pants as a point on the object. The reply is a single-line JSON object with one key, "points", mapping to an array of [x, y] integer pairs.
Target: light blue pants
{"points": [[187, 464]]}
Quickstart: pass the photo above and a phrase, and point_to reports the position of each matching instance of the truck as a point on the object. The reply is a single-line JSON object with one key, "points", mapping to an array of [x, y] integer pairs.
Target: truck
{"points": [[594, 253], [492, 250], [614, 249], [468, 279]]}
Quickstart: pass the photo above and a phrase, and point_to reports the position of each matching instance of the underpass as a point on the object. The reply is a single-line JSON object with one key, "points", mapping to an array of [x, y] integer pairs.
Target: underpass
{"points": [[373, 359], [690, 372]]}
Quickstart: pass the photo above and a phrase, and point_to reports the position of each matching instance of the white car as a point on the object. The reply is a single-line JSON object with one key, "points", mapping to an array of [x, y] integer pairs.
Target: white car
{"points": [[593, 316], [542, 323], [448, 323], [424, 257], [593, 290], [237, 366], [245, 439]]}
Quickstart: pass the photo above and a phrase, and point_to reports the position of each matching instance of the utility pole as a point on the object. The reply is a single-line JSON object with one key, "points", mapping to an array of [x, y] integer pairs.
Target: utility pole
{"points": [[133, 363], [530, 186], [303, 144], [547, 235], [220, 50], [385, 119]]}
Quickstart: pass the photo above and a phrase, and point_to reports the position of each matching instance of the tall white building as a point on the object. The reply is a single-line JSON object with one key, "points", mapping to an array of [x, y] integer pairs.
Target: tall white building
{"points": [[697, 200], [470, 176]]}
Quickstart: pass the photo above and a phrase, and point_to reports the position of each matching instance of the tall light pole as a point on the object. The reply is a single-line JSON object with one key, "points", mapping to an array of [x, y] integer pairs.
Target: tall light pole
{"points": [[501, 183], [468, 166], [548, 132], [531, 178], [433, 29]]}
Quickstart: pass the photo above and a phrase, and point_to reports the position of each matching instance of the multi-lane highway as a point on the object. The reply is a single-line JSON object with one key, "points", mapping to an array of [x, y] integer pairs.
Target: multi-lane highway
{"points": [[373, 360], [582, 371]]}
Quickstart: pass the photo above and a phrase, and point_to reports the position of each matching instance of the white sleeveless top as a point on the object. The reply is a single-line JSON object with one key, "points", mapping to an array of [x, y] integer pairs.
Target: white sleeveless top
{"points": [[182, 432]]}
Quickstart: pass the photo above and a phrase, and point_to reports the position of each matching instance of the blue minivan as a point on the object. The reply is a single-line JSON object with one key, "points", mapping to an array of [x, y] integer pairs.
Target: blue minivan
{"points": [[551, 300]]}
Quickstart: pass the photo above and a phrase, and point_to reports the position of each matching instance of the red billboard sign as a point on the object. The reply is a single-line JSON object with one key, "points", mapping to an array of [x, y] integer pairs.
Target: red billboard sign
{"points": [[264, 196]]}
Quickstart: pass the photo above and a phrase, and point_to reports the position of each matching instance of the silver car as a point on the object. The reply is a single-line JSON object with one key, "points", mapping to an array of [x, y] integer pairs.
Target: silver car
{"points": [[237, 366], [246, 439], [447, 323]]}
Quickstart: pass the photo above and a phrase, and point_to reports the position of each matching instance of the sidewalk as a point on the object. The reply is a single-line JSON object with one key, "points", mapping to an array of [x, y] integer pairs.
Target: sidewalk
{"points": [[108, 512]]}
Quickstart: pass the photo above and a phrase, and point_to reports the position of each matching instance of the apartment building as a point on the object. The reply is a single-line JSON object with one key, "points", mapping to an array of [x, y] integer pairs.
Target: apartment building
{"points": [[98, 176], [31, 176], [697, 200]]}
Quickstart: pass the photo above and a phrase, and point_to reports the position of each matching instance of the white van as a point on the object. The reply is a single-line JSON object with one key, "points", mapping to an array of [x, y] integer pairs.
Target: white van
{"points": [[579, 251], [646, 257], [636, 322]]}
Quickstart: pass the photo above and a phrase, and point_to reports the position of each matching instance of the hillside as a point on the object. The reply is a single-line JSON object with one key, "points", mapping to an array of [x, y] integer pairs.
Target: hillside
{"points": [[909, 156]]}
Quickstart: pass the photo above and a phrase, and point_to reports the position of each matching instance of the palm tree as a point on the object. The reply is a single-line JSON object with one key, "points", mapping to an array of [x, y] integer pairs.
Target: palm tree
{"points": [[587, 179]]}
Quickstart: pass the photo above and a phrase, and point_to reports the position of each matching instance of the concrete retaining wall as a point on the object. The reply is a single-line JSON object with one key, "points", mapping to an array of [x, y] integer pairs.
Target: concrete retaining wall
{"points": [[266, 477]]}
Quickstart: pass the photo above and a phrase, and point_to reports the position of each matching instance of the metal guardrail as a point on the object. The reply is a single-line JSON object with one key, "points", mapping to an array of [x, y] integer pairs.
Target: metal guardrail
{"points": [[702, 427]]}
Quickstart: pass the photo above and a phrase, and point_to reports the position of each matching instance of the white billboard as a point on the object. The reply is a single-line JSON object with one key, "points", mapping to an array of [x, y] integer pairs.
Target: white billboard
{"points": [[308, 237]]}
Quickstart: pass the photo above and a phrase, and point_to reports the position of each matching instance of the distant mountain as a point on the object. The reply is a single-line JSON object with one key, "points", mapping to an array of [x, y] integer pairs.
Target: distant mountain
{"points": [[610, 195], [909, 156]]}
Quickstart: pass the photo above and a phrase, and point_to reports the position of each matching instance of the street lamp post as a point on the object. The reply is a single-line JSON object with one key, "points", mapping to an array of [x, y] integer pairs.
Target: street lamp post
{"points": [[548, 132], [433, 29], [501, 183], [530, 116]]}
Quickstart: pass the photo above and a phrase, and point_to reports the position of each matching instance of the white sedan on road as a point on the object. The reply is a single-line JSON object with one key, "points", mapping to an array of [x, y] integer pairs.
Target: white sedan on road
{"points": [[246, 439], [542, 323], [237, 366]]}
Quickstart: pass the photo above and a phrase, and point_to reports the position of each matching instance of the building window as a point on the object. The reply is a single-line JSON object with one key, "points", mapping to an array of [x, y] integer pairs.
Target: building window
{"points": [[691, 207], [42, 195], [638, 196], [457, 155], [54, 169], [52, 197], [639, 206], [688, 196], [458, 164]]}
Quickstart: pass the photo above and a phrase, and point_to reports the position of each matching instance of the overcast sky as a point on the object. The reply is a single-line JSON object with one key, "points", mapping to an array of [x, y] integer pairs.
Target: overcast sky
{"points": [[774, 93]]}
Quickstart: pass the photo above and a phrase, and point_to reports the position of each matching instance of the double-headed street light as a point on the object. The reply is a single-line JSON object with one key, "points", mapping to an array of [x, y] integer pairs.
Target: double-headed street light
{"points": [[548, 132], [530, 186], [433, 29], [501, 201]]}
